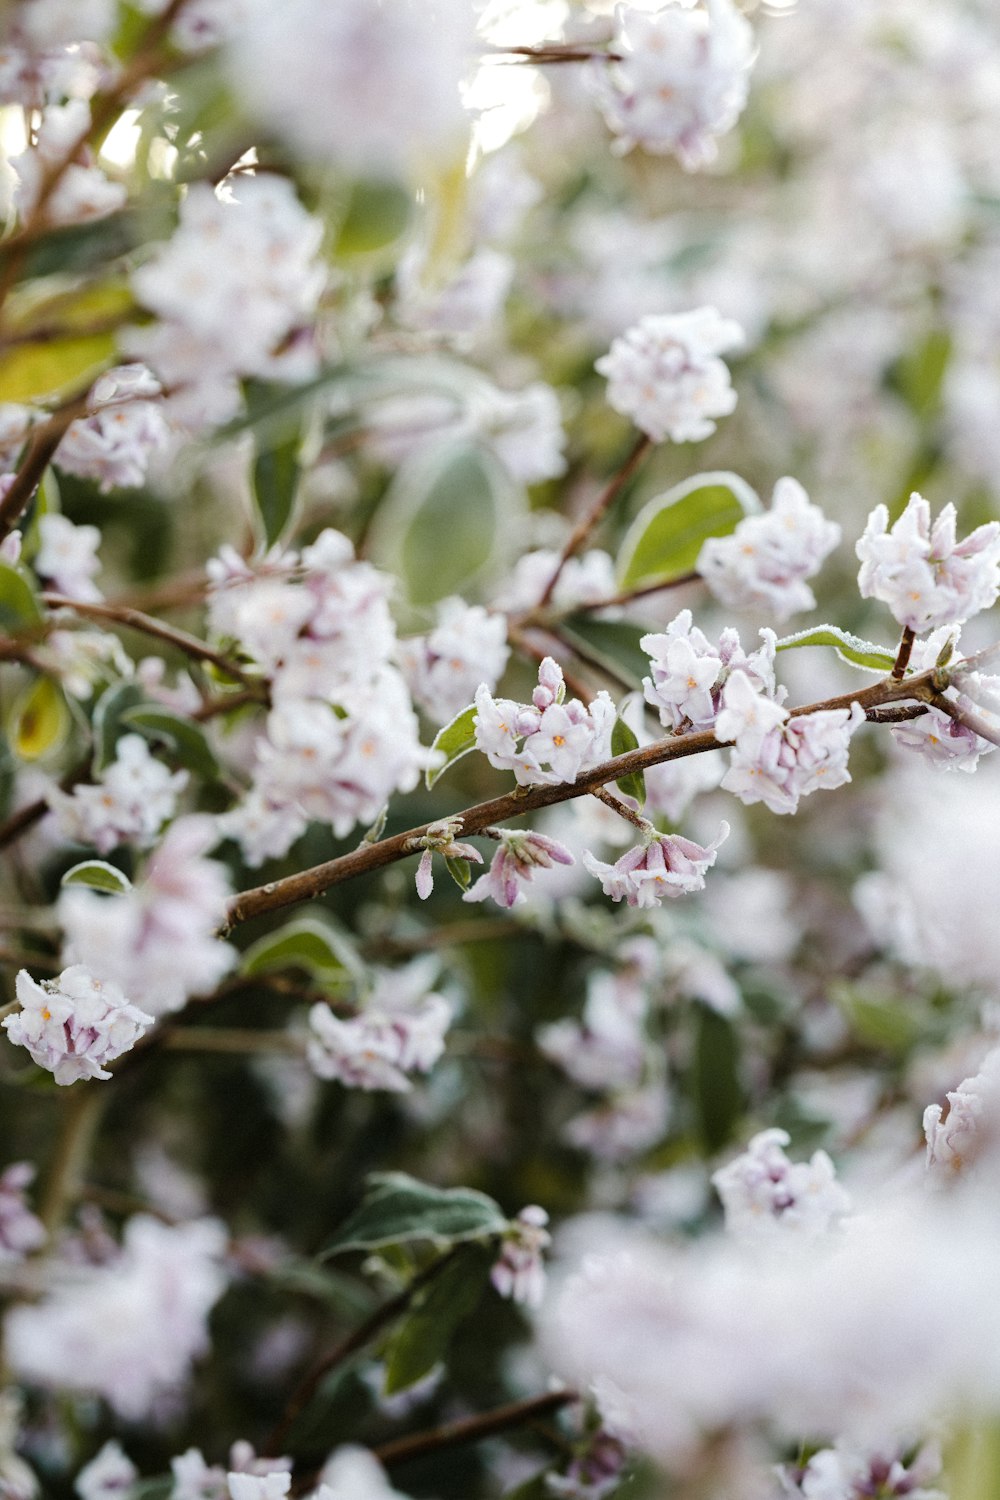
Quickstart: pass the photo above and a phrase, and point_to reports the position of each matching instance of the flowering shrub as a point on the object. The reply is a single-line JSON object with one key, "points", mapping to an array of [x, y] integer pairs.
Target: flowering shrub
{"points": [[435, 1063]]}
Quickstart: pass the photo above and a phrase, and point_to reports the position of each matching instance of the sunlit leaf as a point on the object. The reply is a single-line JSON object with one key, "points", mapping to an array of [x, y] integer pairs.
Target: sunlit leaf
{"points": [[40, 719], [664, 540]]}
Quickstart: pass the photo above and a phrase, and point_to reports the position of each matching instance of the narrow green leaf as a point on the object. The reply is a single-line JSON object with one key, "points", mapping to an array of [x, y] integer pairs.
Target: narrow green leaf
{"points": [[664, 540], [879, 1020], [849, 648], [276, 473], [918, 375], [460, 871], [421, 1341], [186, 739], [397, 1210], [19, 606], [453, 741], [623, 740], [99, 876], [717, 1095], [308, 943]]}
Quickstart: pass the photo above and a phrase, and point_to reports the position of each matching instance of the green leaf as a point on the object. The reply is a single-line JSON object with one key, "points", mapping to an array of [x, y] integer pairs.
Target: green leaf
{"points": [[421, 1341], [879, 1020], [849, 648], [918, 376], [185, 739], [441, 522], [109, 715], [276, 467], [664, 540], [40, 720], [612, 645], [376, 215], [459, 870], [99, 876], [308, 943], [397, 1210], [76, 248], [972, 1462], [19, 605], [623, 740], [717, 1094], [453, 741]]}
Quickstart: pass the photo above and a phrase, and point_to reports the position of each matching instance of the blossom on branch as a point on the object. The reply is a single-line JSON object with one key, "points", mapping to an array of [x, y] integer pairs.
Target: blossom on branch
{"points": [[514, 865], [663, 866], [518, 1272], [765, 1195], [130, 801], [922, 573], [764, 563], [665, 374], [689, 674], [549, 740]]}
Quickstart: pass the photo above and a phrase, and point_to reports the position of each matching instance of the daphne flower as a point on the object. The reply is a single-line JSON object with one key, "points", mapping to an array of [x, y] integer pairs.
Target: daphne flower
{"points": [[925, 577], [468, 646], [110, 1475], [804, 754], [765, 562], [514, 864], [518, 1273], [946, 742], [75, 1024], [130, 801], [963, 1135], [665, 373], [123, 432], [549, 740], [764, 1194], [400, 1031], [663, 866], [67, 557], [689, 674]]}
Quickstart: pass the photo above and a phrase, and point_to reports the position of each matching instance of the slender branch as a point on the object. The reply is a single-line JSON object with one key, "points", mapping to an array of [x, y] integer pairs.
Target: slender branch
{"points": [[903, 654], [134, 619], [313, 882], [629, 596], [527, 648], [361, 1336], [968, 718], [474, 1429], [38, 455], [229, 1039], [580, 534], [82, 1113], [620, 808], [31, 813]]}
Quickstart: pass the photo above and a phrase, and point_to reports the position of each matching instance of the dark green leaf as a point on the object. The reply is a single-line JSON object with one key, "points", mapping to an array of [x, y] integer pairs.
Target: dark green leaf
{"points": [[19, 606], [276, 473], [664, 540], [109, 725], [186, 739], [453, 741], [612, 645], [312, 944], [459, 870], [623, 740], [421, 1341], [397, 1209], [717, 1095]]}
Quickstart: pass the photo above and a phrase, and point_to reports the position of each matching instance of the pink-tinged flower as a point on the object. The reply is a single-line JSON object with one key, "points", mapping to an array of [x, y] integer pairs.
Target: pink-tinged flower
{"points": [[549, 740], [969, 1131], [925, 577], [75, 1024], [804, 754], [689, 673], [663, 867], [21, 1231], [110, 1475], [747, 715], [765, 1194], [123, 432], [468, 646], [765, 562], [401, 1030], [665, 374], [518, 1272], [128, 803], [67, 557], [514, 865], [440, 839], [946, 742]]}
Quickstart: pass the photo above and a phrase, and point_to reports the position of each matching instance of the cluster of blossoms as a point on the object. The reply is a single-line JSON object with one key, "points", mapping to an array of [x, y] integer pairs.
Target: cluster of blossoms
{"points": [[400, 1030], [586, 579], [231, 289], [549, 740], [443, 669], [966, 1134], [128, 803], [844, 1474], [75, 1024], [518, 1272], [689, 674], [947, 742], [767, 1196], [520, 856], [922, 573], [83, 191], [342, 735], [67, 557], [680, 78], [123, 433], [157, 941], [666, 374], [662, 866], [765, 562]]}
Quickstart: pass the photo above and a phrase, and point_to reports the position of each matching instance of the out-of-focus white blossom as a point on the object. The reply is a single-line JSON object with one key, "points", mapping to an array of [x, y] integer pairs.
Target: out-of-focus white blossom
{"points": [[468, 303], [467, 646], [311, 69], [766, 1196], [606, 1050], [21, 1231], [965, 1135], [520, 855], [128, 1330], [67, 557], [124, 431], [586, 579], [518, 1272], [82, 659], [547, 741], [623, 1125], [845, 1474], [666, 375], [110, 1475], [681, 77], [274, 1486], [83, 191], [922, 573], [665, 865], [764, 563], [130, 801], [354, 1473], [400, 1030], [75, 1024]]}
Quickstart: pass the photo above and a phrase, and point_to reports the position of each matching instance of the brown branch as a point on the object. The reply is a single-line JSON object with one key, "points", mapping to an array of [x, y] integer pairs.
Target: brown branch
{"points": [[902, 661], [967, 718], [581, 533], [38, 455], [474, 1429], [628, 596], [308, 884], [31, 813], [623, 811]]}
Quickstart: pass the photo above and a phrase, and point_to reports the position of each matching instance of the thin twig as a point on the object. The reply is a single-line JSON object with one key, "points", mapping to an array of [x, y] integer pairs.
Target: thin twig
{"points": [[527, 648], [229, 1039], [628, 813], [38, 455], [629, 596], [82, 1112], [307, 884], [903, 654], [473, 1429]]}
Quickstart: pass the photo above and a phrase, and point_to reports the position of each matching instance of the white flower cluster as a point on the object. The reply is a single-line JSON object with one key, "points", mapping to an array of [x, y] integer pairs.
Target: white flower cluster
{"points": [[110, 1475], [938, 738], [342, 736], [130, 1329], [158, 940], [400, 1030], [311, 68], [75, 1024], [925, 576], [681, 78], [662, 866], [765, 562], [688, 673], [666, 375], [467, 647], [194, 1479], [766, 1196], [123, 432], [844, 1473], [67, 557], [518, 1272], [128, 803], [83, 191], [586, 579], [239, 277], [547, 741], [969, 1131]]}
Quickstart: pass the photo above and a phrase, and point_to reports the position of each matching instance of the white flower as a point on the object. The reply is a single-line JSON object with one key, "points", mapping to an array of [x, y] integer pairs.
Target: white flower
{"points": [[767, 1196], [925, 577], [665, 373], [470, 301], [110, 1475], [21, 1231], [67, 557], [682, 79], [586, 579], [353, 1473], [443, 669], [607, 1050], [401, 1030], [518, 1272], [664, 866], [764, 563], [946, 742], [968, 1133], [130, 801], [547, 741], [689, 674], [123, 432], [274, 1486], [82, 192], [75, 1024], [804, 754], [128, 1330], [844, 1474]]}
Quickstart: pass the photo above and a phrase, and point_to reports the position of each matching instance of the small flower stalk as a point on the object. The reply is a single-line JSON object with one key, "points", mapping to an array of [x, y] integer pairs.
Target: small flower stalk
{"points": [[75, 1024], [661, 868]]}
